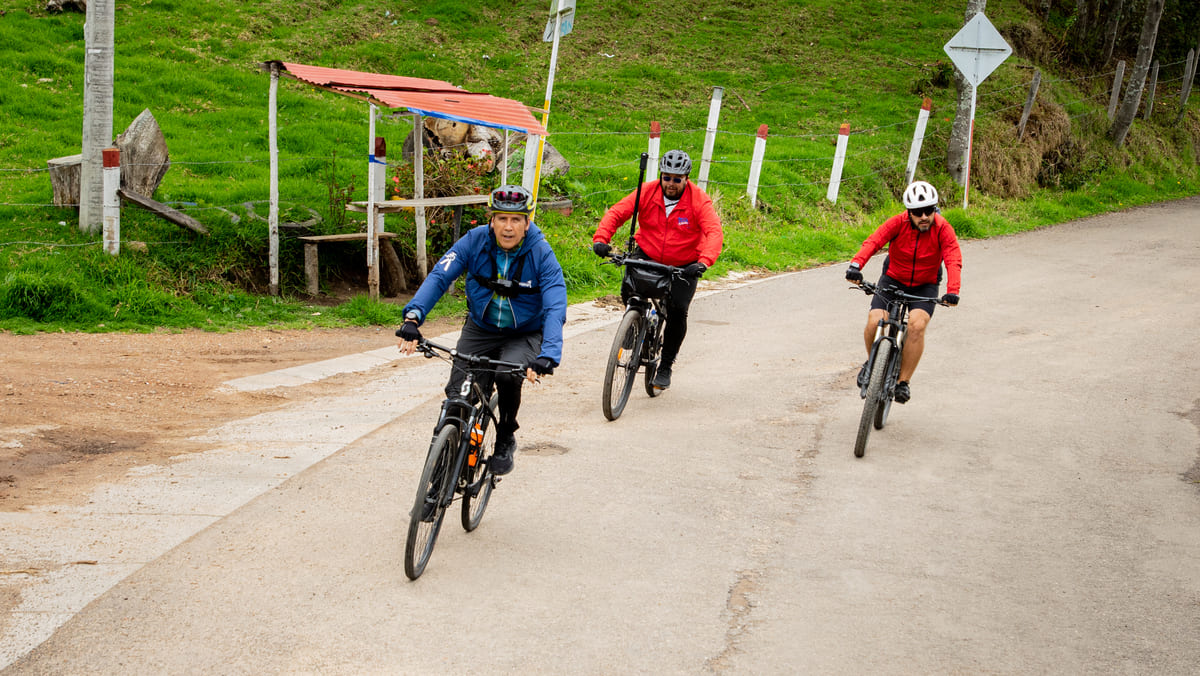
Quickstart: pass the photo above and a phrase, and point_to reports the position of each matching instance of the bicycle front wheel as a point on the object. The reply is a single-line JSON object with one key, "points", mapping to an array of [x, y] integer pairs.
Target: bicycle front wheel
{"points": [[478, 477], [885, 404], [875, 395], [434, 491], [623, 361]]}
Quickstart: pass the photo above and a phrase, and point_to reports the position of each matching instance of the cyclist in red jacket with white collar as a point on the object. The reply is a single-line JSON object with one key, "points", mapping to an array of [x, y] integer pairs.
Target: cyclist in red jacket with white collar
{"points": [[678, 226], [919, 241]]}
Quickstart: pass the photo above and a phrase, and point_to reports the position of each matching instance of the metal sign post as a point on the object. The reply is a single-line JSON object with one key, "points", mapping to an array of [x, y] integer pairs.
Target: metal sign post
{"points": [[976, 50], [562, 20]]}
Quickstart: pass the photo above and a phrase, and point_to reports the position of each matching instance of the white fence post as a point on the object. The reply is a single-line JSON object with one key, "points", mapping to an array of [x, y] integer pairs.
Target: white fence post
{"points": [[1033, 90], [1116, 90], [654, 150], [760, 149], [273, 209], [377, 187], [839, 160], [914, 152], [112, 203], [710, 136]]}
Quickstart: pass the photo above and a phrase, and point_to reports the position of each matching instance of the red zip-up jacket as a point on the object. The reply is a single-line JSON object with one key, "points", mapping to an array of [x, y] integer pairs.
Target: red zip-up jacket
{"points": [[915, 257], [691, 233]]}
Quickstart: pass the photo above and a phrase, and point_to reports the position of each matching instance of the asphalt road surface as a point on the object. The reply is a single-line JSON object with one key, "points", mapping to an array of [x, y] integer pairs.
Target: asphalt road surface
{"points": [[1034, 509]]}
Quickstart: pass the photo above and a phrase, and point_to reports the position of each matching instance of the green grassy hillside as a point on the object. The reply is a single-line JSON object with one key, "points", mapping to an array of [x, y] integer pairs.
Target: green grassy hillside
{"points": [[800, 68]]}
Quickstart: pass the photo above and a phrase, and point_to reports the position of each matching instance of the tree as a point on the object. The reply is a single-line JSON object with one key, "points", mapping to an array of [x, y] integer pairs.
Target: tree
{"points": [[960, 132], [97, 111], [1137, 79], [1110, 29]]}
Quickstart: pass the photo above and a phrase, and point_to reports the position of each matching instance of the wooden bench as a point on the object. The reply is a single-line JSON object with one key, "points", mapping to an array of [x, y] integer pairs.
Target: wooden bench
{"points": [[310, 253]]}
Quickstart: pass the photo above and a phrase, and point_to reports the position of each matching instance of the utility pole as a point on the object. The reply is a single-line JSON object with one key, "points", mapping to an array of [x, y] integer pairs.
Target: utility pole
{"points": [[97, 110]]}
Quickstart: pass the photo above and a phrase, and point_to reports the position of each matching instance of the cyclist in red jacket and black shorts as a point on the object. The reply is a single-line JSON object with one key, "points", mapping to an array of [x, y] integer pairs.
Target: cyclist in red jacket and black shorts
{"points": [[919, 242], [678, 226]]}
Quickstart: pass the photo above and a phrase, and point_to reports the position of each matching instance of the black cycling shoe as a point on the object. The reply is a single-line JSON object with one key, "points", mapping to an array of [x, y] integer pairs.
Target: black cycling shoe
{"points": [[902, 393], [501, 461], [662, 377], [863, 376]]}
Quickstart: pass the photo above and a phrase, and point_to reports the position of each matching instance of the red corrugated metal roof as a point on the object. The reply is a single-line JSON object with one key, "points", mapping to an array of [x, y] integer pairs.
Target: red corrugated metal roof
{"points": [[432, 98]]}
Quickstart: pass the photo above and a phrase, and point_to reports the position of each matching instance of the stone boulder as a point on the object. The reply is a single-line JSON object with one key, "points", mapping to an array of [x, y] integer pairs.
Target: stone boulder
{"points": [[144, 155]]}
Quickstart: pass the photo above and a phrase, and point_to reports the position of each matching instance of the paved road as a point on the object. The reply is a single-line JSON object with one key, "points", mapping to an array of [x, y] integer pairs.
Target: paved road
{"points": [[1033, 509]]}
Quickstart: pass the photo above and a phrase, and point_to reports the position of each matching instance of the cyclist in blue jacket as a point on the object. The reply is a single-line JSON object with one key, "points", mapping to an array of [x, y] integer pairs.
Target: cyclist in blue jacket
{"points": [[516, 300]]}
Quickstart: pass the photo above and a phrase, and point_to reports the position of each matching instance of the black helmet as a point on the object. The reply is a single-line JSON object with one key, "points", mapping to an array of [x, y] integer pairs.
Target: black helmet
{"points": [[676, 162], [511, 199]]}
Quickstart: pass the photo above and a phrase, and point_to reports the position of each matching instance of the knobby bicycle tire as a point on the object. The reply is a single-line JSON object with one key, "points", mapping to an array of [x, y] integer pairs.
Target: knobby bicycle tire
{"points": [[890, 378], [623, 361], [436, 486], [473, 506], [875, 392], [653, 348]]}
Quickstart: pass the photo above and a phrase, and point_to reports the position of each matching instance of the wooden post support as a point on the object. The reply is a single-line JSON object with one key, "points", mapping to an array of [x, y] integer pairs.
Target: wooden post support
{"points": [[654, 150], [760, 149], [710, 135], [419, 193], [273, 212], [1189, 74], [377, 186], [1151, 90], [839, 160], [1116, 90], [1033, 90], [914, 151], [112, 203]]}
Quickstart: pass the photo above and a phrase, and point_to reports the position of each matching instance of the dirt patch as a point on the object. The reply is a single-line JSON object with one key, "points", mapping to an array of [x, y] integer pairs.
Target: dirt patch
{"points": [[80, 409]]}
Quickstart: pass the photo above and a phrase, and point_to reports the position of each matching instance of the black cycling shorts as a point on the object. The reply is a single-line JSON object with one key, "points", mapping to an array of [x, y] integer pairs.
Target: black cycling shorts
{"points": [[879, 301]]}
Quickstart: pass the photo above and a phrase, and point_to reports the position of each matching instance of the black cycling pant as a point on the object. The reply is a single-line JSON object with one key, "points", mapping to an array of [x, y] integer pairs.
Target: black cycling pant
{"points": [[520, 348]]}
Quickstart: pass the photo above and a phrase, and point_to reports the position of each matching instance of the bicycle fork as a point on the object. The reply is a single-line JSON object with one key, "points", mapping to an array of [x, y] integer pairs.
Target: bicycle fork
{"points": [[896, 338]]}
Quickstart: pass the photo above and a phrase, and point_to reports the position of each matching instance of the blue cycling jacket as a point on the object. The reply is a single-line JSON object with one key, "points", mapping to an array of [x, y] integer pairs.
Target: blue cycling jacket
{"points": [[539, 298]]}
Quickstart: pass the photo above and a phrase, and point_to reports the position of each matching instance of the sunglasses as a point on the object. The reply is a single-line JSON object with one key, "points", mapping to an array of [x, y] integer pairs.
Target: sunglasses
{"points": [[922, 211], [673, 179]]}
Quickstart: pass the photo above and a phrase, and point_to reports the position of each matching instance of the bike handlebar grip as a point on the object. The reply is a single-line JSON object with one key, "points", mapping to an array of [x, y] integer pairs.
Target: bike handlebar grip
{"points": [[643, 160]]}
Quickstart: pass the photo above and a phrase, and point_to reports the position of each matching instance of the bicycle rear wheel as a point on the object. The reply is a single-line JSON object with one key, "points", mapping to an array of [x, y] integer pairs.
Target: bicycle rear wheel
{"points": [[653, 348], [885, 406], [875, 395], [479, 476], [623, 361], [429, 508]]}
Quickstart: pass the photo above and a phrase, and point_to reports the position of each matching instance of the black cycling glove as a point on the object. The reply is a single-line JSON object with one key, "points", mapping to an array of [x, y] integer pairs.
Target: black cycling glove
{"points": [[409, 331], [602, 249], [950, 299], [543, 366], [854, 273], [694, 270]]}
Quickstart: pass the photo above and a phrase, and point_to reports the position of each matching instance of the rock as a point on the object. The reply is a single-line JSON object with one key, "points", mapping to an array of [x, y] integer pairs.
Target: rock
{"points": [[60, 5], [144, 155]]}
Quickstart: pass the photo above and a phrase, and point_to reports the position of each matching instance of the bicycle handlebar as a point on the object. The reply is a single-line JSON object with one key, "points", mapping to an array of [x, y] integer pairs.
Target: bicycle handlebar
{"points": [[430, 350], [871, 288], [626, 259]]}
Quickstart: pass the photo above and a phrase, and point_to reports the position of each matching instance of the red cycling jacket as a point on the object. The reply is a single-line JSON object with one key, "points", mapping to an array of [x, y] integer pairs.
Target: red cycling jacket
{"points": [[916, 257], [691, 233]]}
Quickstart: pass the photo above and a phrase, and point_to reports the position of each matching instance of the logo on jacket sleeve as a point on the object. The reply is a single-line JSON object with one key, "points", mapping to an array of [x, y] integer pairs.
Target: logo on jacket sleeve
{"points": [[447, 260]]}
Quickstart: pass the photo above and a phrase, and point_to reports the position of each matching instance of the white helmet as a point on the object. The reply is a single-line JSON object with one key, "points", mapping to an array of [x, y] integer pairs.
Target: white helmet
{"points": [[920, 194]]}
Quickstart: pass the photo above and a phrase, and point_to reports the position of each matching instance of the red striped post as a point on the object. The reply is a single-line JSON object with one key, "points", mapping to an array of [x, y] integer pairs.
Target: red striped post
{"points": [[914, 152], [760, 149], [654, 150], [839, 160], [112, 202]]}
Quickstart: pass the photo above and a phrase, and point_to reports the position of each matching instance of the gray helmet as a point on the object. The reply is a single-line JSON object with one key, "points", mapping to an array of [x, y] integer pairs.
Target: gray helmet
{"points": [[513, 199], [676, 162]]}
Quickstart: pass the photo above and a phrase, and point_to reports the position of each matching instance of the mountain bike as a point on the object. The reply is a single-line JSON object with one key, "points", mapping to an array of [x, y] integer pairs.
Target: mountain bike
{"points": [[883, 364], [638, 341], [458, 462]]}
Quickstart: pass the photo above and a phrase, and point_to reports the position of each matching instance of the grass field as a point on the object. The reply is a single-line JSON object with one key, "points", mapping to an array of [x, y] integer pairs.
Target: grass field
{"points": [[800, 68]]}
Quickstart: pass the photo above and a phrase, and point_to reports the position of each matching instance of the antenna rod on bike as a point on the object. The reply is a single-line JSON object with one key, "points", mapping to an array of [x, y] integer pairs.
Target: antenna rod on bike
{"points": [[637, 200]]}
